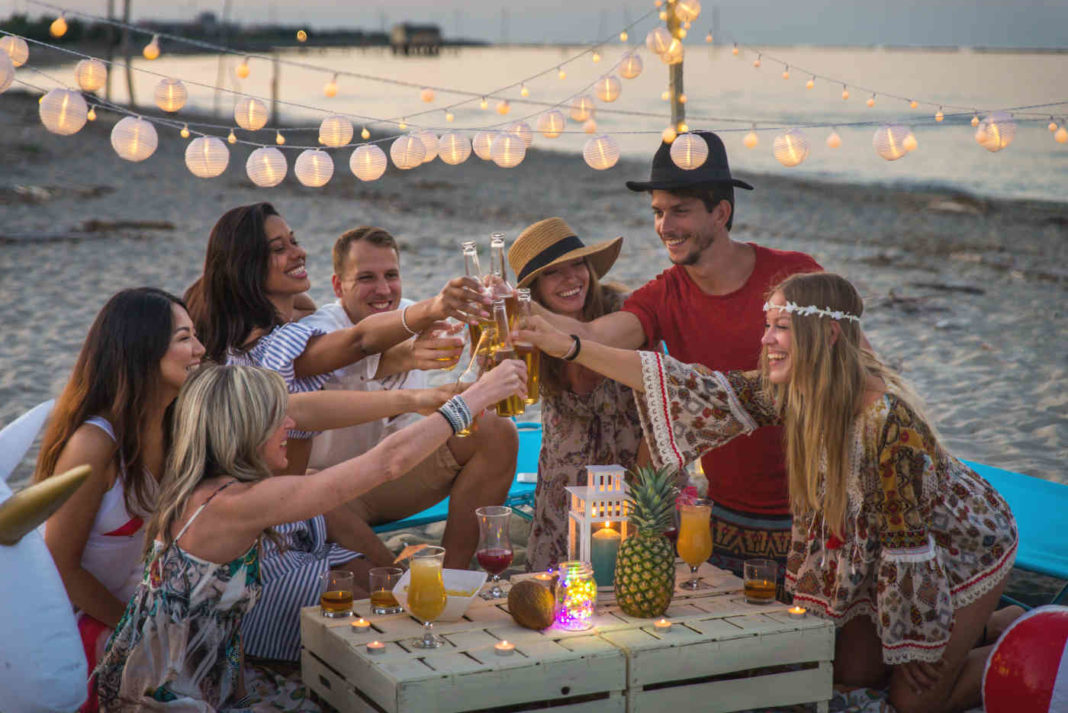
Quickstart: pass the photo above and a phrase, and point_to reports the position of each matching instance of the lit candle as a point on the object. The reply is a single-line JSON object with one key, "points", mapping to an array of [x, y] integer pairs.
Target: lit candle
{"points": [[504, 648], [603, 550], [361, 625], [662, 625], [376, 647], [797, 612]]}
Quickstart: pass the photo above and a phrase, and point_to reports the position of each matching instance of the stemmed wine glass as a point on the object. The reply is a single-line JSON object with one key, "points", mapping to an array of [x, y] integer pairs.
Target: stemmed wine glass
{"points": [[426, 593], [494, 546], [695, 538]]}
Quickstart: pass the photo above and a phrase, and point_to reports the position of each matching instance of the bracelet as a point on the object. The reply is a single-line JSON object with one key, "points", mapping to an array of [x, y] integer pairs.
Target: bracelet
{"points": [[404, 322], [457, 413], [573, 353], [450, 419]]}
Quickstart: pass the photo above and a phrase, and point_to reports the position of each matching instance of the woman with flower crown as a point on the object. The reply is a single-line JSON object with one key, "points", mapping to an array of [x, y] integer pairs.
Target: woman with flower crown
{"points": [[897, 542]]}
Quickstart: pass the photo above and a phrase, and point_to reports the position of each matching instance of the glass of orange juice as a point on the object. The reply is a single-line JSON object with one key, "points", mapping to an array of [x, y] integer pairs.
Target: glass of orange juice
{"points": [[695, 538], [426, 593]]}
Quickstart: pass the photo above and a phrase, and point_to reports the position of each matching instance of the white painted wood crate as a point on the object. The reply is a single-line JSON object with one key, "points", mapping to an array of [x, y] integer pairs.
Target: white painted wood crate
{"points": [[720, 654]]}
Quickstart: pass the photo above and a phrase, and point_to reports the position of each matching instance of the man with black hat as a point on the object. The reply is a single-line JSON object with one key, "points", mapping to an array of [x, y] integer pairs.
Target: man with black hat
{"points": [[708, 309]]}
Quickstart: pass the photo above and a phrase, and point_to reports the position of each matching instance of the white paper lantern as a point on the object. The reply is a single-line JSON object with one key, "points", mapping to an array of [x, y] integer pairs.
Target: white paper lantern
{"points": [[313, 168], [368, 162], [608, 88], [407, 152], [16, 49], [171, 94], [523, 131], [551, 124], [631, 66], [430, 144], [834, 140], [207, 156], [266, 167], [91, 74], [7, 72], [508, 150], [658, 40], [889, 141], [601, 152], [134, 139], [63, 111], [996, 131], [250, 114], [483, 144], [454, 148], [689, 151], [687, 10], [674, 54], [581, 108], [790, 148], [335, 131]]}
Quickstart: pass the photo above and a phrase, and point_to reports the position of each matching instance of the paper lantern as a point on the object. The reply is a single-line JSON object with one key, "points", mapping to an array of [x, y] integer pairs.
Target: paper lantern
{"points": [[91, 74], [368, 162], [658, 40], [834, 140], [63, 111], [508, 150], [608, 88], [1027, 672], [335, 131], [313, 168], [751, 140], [551, 124], [910, 143], [407, 152], [7, 72], [266, 167], [674, 53], [330, 88], [1061, 135], [668, 135], [483, 144], [889, 141], [250, 114], [631, 66], [171, 94], [581, 107], [590, 127], [430, 144], [689, 151], [454, 149], [426, 94], [601, 152], [58, 28], [206, 156], [16, 49], [134, 139], [522, 130], [996, 131], [687, 10], [503, 107], [790, 148]]}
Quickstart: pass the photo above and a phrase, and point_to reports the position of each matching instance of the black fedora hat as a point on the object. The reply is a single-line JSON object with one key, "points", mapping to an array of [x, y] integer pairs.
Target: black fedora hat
{"points": [[665, 175]]}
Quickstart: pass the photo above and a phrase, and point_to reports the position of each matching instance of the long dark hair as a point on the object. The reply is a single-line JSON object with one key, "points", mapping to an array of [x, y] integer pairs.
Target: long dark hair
{"points": [[116, 376], [228, 301]]}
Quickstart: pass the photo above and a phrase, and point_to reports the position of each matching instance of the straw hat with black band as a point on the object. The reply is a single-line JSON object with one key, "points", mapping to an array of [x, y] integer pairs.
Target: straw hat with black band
{"points": [[551, 242]]}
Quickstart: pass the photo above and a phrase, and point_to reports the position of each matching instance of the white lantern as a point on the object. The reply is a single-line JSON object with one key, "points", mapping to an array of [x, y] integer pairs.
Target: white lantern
{"points": [[313, 168], [522, 130], [426, 94], [581, 108], [63, 111], [368, 162], [996, 131], [250, 114], [508, 150], [407, 152], [631, 66], [689, 151], [551, 124], [266, 167], [483, 144], [335, 131], [658, 40], [687, 10], [601, 152], [454, 148], [674, 53], [7, 72], [171, 94], [601, 500], [834, 140], [16, 49], [134, 139], [207, 156], [430, 144], [91, 74], [889, 141], [608, 88], [790, 148]]}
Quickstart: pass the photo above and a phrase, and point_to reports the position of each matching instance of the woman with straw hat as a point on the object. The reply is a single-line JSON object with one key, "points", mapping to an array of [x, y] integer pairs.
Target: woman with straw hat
{"points": [[586, 419]]}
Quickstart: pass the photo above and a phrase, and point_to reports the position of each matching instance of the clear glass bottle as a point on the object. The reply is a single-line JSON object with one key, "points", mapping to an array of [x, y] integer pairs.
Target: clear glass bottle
{"points": [[474, 270], [576, 595], [530, 354], [499, 285]]}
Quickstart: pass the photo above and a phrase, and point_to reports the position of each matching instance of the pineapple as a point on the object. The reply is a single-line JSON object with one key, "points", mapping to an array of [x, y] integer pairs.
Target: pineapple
{"points": [[645, 566]]}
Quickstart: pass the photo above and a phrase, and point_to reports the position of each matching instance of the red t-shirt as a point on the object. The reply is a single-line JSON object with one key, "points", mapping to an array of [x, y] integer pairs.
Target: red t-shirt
{"points": [[723, 332]]}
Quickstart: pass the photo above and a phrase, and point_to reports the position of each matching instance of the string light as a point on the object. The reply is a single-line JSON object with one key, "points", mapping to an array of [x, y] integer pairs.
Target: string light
{"points": [[665, 95], [523, 91], [171, 95], [426, 94], [1061, 135], [206, 157], [503, 107], [134, 139], [939, 116], [889, 141], [975, 119], [913, 104], [810, 83], [151, 50], [330, 89], [751, 139], [365, 134], [279, 139], [590, 126], [734, 50], [681, 33], [623, 36], [184, 133], [871, 100], [708, 37], [91, 74], [250, 114], [407, 152], [682, 99], [790, 148], [756, 62], [266, 167], [91, 116], [16, 49], [58, 28], [551, 124], [560, 73], [302, 36], [483, 104], [454, 148], [232, 138], [508, 150], [313, 168], [402, 124], [368, 162], [833, 139], [1052, 125], [689, 151], [845, 92], [668, 135], [449, 116], [63, 111], [910, 142], [335, 131], [596, 56], [430, 144], [786, 72], [483, 144], [683, 127], [242, 70], [608, 88], [601, 153]]}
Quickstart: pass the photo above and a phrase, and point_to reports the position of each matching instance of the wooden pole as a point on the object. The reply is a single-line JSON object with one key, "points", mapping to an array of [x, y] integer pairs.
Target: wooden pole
{"points": [[274, 86], [675, 88], [126, 51]]}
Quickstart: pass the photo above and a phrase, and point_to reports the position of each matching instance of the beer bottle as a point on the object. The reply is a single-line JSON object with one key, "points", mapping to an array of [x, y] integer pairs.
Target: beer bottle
{"points": [[472, 269], [499, 286], [503, 349], [524, 350]]}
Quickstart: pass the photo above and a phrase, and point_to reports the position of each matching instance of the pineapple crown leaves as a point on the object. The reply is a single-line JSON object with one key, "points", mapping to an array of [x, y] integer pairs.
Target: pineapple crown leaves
{"points": [[651, 497]]}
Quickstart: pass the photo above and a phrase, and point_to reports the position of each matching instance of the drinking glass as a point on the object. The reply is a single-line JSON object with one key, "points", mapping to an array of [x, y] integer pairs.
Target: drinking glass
{"points": [[335, 599], [494, 546], [760, 578], [426, 593], [449, 329], [695, 538], [383, 580]]}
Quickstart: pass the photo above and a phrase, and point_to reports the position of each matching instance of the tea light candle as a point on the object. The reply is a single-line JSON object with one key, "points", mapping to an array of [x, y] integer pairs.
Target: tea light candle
{"points": [[797, 612], [662, 625], [543, 578], [361, 625], [504, 648], [376, 647]]}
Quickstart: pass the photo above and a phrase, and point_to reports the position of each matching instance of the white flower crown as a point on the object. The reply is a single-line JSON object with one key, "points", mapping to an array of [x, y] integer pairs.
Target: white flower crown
{"points": [[807, 310]]}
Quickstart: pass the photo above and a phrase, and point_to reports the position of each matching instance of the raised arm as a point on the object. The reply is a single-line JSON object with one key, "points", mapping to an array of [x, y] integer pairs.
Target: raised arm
{"points": [[617, 329], [323, 410], [622, 365]]}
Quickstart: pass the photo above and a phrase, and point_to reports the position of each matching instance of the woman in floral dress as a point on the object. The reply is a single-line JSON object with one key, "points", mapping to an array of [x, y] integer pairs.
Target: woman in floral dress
{"points": [[897, 542]]}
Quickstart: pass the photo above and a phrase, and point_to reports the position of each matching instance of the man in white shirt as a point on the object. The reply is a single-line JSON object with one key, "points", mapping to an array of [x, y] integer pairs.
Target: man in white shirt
{"points": [[472, 471]]}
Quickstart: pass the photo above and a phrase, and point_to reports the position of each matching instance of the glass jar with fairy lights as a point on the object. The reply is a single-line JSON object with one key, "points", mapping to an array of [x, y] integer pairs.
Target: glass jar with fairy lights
{"points": [[576, 596]]}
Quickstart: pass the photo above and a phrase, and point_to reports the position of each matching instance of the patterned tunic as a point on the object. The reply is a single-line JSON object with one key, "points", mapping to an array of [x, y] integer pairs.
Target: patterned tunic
{"points": [[924, 535]]}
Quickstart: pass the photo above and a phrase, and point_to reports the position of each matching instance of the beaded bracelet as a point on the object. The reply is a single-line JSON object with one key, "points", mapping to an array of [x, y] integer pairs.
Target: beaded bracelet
{"points": [[457, 413]]}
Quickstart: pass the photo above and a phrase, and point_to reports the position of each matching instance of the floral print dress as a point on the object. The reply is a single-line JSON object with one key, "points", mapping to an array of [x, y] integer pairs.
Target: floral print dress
{"points": [[924, 534]]}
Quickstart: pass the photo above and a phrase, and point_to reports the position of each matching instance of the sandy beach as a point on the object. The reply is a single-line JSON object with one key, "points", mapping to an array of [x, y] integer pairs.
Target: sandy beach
{"points": [[964, 295]]}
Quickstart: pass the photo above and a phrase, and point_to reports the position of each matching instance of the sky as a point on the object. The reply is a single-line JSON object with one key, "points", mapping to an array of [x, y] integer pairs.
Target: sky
{"points": [[991, 23]]}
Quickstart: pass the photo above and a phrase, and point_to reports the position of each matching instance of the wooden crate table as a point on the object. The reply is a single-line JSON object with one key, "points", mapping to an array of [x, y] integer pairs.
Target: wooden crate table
{"points": [[720, 654]]}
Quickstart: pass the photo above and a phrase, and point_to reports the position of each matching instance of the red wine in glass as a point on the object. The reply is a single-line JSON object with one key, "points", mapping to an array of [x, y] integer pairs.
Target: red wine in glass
{"points": [[494, 560]]}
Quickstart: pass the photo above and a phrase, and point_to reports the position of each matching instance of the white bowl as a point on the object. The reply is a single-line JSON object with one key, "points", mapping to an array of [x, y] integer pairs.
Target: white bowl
{"points": [[461, 585]]}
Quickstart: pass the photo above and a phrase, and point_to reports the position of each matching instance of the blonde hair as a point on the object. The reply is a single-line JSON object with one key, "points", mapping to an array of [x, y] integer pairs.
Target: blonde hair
{"points": [[223, 417], [821, 402]]}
